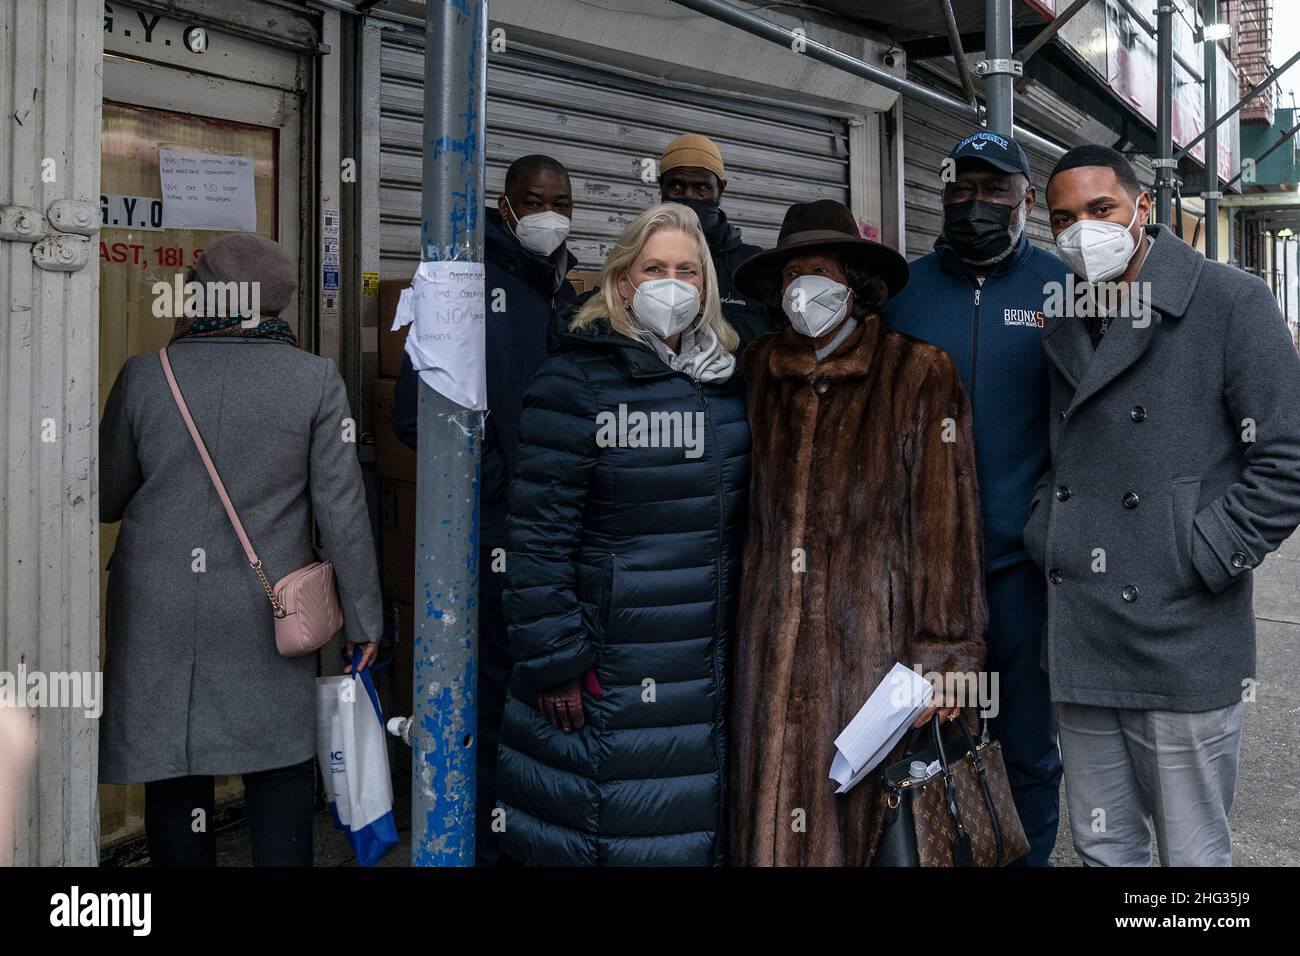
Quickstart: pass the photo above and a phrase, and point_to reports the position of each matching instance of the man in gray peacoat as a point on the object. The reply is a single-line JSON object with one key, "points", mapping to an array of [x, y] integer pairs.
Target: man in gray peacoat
{"points": [[1175, 441]]}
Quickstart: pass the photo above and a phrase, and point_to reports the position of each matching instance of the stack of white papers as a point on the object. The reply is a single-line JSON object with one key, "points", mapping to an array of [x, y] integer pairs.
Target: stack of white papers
{"points": [[879, 725]]}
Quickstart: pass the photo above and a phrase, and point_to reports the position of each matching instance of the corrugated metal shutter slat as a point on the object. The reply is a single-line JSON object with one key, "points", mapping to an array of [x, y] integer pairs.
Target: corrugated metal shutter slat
{"points": [[601, 127]]}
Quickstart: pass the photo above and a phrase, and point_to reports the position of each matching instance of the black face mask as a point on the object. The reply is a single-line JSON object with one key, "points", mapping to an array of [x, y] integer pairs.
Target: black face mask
{"points": [[978, 230], [710, 213]]}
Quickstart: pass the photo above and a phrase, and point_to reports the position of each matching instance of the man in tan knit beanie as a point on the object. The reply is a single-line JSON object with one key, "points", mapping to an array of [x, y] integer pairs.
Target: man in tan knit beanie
{"points": [[691, 172]]}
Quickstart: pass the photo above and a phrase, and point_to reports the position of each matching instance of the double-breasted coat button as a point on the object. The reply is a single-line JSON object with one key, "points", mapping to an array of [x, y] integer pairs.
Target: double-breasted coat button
{"points": [[822, 385], [1239, 559], [1130, 593], [1131, 500], [1062, 416], [1063, 493], [1139, 414], [1055, 576]]}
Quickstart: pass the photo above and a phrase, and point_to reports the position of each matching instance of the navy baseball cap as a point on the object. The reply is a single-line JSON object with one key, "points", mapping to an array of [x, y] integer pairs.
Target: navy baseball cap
{"points": [[998, 151]]}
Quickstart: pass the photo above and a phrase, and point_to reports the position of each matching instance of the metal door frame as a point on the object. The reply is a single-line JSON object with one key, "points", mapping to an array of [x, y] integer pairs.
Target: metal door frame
{"points": [[173, 88]]}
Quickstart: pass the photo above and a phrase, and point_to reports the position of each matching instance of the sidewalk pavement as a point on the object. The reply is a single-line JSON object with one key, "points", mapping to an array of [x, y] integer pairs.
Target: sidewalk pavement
{"points": [[1265, 817]]}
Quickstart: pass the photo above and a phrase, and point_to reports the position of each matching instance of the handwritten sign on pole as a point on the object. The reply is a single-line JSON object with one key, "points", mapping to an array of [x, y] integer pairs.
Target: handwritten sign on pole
{"points": [[446, 308], [207, 191]]}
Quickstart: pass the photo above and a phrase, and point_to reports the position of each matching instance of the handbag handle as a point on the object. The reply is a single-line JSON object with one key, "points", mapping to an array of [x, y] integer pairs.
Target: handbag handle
{"points": [[980, 775], [914, 738], [961, 850], [217, 483]]}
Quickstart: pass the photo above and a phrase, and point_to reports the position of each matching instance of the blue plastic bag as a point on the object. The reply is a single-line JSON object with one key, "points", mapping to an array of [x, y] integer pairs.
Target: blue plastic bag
{"points": [[353, 752]]}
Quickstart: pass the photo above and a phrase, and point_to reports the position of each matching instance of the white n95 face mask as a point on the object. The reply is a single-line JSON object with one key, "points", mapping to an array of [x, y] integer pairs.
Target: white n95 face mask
{"points": [[541, 233], [815, 304], [1096, 249], [665, 306]]}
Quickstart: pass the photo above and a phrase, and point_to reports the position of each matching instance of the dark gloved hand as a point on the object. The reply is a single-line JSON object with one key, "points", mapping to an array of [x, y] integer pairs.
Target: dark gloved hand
{"points": [[562, 706]]}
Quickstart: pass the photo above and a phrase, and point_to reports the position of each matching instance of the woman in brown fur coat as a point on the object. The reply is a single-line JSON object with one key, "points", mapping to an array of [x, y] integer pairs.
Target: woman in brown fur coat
{"points": [[864, 542]]}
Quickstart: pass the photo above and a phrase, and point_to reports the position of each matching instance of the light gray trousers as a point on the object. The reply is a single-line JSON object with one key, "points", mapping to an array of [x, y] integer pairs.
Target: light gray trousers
{"points": [[1129, 771]]}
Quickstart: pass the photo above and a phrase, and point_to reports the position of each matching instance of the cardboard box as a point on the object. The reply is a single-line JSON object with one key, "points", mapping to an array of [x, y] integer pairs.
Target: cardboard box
{"points": [[392, 458], [392, 345], [397, 538], [584, 281]]}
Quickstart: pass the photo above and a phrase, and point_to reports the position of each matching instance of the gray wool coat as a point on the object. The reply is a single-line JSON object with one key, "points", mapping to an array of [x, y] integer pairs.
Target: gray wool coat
{"points": [[193, 683], [1155, 478]]}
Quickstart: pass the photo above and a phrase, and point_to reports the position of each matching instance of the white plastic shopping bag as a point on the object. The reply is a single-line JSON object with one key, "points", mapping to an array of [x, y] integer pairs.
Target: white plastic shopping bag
{"points": [[353, 753]]}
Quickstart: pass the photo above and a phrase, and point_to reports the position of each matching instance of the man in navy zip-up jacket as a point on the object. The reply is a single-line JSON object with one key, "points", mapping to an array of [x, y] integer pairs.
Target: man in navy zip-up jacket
{"points": [[531, 289], [979, 296]]}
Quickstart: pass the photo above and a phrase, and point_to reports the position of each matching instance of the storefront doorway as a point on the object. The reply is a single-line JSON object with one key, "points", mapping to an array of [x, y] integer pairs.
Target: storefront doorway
{"points": [[176, 125]]}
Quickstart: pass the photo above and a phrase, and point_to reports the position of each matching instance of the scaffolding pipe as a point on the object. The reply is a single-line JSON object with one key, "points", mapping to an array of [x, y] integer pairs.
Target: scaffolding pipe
{"points": [[1265, 84], [1211, 90], [1164, 162], [1268, 152], [1273, 267], [958, 54], [443, 739], [1044, 36], [751, 23], [999, 72], [1286, 278], [1153, 32], [1049, 31], [743, 19]]}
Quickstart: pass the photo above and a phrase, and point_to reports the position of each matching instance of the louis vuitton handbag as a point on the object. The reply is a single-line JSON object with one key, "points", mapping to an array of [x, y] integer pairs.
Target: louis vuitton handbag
{"points": [[962, 815]]}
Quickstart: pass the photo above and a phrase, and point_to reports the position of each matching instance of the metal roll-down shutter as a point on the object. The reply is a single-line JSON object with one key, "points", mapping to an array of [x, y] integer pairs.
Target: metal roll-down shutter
{"points": [[602, 126]]}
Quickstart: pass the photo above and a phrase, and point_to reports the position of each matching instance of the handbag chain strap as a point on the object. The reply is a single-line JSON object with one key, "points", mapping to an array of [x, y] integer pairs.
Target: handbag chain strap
{"points": [[253, 560], [276, 606]]}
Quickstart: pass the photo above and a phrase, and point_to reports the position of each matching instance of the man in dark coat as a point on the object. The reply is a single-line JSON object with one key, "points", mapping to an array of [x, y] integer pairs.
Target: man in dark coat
{"points": [[526, 289], [1175, 433], [691, 172], [979, 297]]}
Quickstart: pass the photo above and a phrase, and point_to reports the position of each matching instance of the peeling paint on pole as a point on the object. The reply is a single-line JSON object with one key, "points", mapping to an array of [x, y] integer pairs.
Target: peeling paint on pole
{"points": [[445, 681]]}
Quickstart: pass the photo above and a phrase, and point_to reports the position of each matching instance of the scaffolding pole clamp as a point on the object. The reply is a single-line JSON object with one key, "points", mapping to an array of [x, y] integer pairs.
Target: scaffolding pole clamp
{"points": [[1008, 66]]}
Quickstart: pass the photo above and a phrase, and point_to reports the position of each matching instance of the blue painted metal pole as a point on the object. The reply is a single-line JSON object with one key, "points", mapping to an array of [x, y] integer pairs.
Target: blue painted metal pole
{"points": [[443, 739]]}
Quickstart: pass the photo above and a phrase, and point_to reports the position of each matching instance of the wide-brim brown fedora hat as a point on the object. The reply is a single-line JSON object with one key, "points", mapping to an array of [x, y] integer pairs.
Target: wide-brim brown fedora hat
{"points": [[822, 225]]}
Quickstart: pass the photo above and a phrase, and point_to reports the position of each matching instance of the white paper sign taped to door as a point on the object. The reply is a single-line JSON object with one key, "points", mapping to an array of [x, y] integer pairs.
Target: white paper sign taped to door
{"points": [[207, 191], [446, 307]]}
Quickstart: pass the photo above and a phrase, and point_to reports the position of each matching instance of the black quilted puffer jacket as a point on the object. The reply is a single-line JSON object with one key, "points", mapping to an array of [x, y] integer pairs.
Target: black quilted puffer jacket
{"points": [[622, 565]]}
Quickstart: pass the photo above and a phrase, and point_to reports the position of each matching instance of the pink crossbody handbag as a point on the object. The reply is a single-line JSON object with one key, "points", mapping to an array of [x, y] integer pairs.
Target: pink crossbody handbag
{"points": [[306, 601]]}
